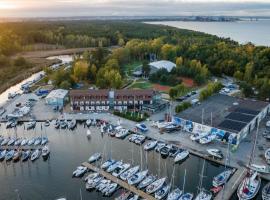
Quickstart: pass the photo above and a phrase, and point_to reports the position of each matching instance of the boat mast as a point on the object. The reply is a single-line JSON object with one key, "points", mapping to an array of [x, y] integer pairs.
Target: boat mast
{"points": [[81, 194], [184, 181], [201, 178]]}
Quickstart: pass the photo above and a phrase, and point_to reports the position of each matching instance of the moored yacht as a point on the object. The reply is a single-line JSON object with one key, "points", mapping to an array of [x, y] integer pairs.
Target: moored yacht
{"points": [[183, 154], [31, 142], [113, 166], [91, 176], [3, 154], [35, 155], [175, 194], [107, 164], [204, 195], [267, 155], [37, 141], [9, 155], [11, 141], [147, 181], [150, 145], [124, 176], [95, 157], [249, 187], [186, 196], [110, 189], [120, 169], [5, 141], [45, 151], [163, 191], [26, 155], [44, 140], [216, 153], [17, 156], [24, 142], [222, 178], [80, 171], [137, 178], [155, 186]]}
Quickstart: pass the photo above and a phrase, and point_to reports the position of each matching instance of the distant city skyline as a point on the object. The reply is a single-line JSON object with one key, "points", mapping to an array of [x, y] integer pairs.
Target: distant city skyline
{"points": [[68, 8]]}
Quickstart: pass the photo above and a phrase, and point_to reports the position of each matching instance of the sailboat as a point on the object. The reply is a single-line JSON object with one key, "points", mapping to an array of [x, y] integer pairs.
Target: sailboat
{"points": [[250, 185], [203, 194], [266, 192]]}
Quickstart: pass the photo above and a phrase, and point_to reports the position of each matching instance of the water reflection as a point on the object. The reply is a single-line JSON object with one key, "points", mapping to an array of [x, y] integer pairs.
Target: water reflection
{"points": [[52, 178]]}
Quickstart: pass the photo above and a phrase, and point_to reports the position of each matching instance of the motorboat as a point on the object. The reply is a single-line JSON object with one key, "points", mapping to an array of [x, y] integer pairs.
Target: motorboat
{"points": [[159, 146], [137, 178], [164, 151], [11, 141], [88, 122], [123, 196], [174, 151], [122, 133], [140, 139], [110, 189], [9, 155], [204, 195], [207, 139], [94, 157], [31, 124], [186, 196], [267, 155], [163, 191], [216, 153], [5, 141], [35, 155], [72, 124], [260, 168], [120, 169], [155, 186], [183, 154], [249, 187], [18, 142], [26, 155], [127, 174], [91, 176], [80, 171], [198, 136], [92, 183], [133, 137], [175, 194], [266, 192], [150, 145], [45, 151], [47, 123], [171, 128], [142, 127], [107, 164], [17, 155], [31, 142], [44, 140], [3, 154], [222, 178], [24, 142], [113, 166], [63, 124], [56, 124], [37, 141]]}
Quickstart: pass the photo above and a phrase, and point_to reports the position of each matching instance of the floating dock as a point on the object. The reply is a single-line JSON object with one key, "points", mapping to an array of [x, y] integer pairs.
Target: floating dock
{"points": [[119, 181], [232, 185]]}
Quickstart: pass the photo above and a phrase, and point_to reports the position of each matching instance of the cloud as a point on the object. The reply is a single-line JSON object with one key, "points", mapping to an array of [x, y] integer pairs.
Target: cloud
{"points": [[53, 8]]}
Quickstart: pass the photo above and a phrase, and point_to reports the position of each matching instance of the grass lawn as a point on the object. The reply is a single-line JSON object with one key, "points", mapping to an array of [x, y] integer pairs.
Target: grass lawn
{"points": [[129, 68], [141, 85]]}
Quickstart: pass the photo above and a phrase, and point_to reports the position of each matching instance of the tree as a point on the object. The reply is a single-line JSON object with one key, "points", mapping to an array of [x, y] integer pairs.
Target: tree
{"points": [[113, 64], [81, 70], [173, 93], [248, 72], [93, 73], [108, 78], [168, 52], [179, 62], [65, 85], [146, 68], [238, 75], [246, 89]]}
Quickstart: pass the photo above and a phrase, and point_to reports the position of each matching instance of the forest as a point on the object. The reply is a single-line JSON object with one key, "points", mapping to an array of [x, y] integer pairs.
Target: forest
{"points": [[197, 55]]}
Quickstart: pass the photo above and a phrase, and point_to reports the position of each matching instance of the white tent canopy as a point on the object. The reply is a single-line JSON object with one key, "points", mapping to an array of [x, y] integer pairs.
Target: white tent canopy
{"points": [[163, 64]]}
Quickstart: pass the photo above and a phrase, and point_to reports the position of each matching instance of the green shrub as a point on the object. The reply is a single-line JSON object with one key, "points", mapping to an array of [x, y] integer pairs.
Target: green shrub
{"points": [[183, 106]]}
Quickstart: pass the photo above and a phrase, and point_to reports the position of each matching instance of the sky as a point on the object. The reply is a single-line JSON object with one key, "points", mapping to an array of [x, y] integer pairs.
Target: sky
{"points": [[69, 8]]}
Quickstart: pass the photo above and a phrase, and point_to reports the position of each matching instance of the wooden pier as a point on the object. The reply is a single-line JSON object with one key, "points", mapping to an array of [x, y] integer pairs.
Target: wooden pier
{"points": [[119, 181], [232, 185]]}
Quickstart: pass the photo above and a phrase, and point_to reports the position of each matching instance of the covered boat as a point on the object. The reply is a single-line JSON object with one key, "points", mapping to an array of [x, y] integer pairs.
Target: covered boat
{"points": [[222, 178], [181, 156], [137, 178]]}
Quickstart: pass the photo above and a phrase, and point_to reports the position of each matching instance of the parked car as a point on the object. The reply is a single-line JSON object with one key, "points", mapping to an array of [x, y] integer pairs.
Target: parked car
{"points": [[142, 127]]}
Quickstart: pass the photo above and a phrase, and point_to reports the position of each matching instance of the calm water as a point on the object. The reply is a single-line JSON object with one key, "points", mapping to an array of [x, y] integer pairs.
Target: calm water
{"points": [[256, 32], [52, 178]]}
